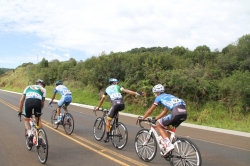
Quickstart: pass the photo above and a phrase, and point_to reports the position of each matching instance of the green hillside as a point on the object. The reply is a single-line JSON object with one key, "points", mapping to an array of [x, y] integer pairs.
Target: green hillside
{"points": [[214, 84]]}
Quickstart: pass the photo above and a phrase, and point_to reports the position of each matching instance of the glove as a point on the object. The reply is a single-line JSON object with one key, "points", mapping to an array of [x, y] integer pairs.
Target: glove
{"points": [[153, 120], [50, 102], [138, 93], [139, 118], [19, 114]]}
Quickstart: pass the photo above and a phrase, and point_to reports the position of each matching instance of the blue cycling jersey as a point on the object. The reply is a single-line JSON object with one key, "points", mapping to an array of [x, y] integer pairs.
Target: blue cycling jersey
{"points": [[63, 90], [169, 101]]}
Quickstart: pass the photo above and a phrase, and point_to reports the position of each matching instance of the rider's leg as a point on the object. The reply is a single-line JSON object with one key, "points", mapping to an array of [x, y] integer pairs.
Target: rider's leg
{"points": [[27, 125], [108, 120], [39, 121]]}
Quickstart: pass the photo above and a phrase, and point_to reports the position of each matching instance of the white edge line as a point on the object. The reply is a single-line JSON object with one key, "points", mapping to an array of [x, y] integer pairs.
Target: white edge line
{"points": [[238, 133]]}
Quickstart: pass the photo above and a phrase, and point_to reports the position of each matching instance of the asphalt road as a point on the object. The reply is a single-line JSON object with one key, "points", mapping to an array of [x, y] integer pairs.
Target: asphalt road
{"points": [[217, 148]]}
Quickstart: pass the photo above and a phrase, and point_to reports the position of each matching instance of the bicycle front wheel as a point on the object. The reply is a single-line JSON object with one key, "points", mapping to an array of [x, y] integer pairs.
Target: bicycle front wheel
{"points": [[68, 123], [145, 145], [54, 119], [185, 153], [119, 135], [42, 147], [99, 128]]}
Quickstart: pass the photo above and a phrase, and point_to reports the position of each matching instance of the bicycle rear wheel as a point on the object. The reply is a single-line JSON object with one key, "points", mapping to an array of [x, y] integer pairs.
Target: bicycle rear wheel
{"points": [[99, 128], [119, 135], [42, 147], [54, 119], [68, 123], [185, 153], [145, 145], [28, 141]]}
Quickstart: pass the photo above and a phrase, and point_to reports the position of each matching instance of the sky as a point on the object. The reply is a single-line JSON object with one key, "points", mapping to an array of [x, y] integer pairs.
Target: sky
{"points": [[31, 30]]}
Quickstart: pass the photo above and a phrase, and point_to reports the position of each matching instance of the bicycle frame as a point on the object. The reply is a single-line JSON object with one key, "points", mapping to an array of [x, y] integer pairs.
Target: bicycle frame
{"points": [[156, 135]]}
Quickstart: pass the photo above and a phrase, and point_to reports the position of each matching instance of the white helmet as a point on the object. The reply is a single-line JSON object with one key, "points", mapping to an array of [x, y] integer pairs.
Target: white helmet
{"points": [[158, 88]]}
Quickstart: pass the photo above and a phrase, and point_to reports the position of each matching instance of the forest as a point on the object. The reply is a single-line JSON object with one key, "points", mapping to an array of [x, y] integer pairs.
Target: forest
{"points": [[203, 78]]}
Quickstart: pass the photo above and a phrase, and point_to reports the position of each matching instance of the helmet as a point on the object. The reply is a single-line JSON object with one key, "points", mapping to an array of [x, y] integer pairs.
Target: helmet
{"points": [[59, 83], [40, 81], [158, 88], [111, 80]]}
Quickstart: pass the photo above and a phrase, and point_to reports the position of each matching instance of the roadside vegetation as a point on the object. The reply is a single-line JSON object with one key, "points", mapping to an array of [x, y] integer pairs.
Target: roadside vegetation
{"points": [[214, 84]]}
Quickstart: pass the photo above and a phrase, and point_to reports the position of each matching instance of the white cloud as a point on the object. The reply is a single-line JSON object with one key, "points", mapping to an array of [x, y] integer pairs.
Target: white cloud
{"points": [[96, 26]]}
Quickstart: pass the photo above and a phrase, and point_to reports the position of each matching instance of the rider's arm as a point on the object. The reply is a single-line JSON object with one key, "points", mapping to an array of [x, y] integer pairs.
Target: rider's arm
{"points": [[101, 101], [21, 103], [161, 114], [130, 92], [52, 98], [149, 111]]}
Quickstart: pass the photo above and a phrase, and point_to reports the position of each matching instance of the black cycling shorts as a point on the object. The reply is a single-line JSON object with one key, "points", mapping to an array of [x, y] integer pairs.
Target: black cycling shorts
{"points": [[31, 104], [117, 105], [176, 117]]}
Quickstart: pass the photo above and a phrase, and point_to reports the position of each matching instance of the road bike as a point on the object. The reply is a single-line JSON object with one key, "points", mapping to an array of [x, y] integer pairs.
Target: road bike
{"points": [[185, 152], [37, 138], [118, 131], [67, 120]]}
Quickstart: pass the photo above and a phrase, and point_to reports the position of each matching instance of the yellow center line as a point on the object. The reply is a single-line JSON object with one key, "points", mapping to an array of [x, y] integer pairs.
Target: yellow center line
{"points": [[101, 152]]}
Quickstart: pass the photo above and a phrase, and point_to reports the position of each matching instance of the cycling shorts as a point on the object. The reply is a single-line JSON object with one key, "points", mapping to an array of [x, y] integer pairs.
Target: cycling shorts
{"points": [[31, 104], [65, 100], [117, 105], [175, 118]]}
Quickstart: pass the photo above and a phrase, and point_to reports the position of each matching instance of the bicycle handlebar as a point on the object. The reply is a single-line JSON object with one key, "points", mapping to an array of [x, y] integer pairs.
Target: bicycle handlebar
{"points": [[104, 110], [150, 120]]}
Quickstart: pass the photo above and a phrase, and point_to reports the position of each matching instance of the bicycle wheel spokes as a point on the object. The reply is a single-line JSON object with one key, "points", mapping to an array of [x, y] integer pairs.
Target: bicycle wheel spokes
{"points": [[43, 147], [145, 149], [185, 153], [68, 123], [99, 128], [119, 136], [54, 119]]}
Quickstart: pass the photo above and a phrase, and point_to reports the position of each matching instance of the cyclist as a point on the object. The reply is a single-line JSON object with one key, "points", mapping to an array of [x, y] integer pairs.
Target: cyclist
{"points": [[178, 114], [114, 93], [34, 97], [65, 100]]}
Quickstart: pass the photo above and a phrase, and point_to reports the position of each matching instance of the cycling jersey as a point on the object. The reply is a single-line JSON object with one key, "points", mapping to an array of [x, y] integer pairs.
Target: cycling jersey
{"points": [[34, 95], [176, 106], [169, 101], [34, 92], [114, 92], [66, 95]]}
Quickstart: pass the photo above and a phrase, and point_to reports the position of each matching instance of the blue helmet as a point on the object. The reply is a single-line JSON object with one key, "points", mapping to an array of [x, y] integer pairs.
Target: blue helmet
{"points": [[59, 83], [111, 80]]}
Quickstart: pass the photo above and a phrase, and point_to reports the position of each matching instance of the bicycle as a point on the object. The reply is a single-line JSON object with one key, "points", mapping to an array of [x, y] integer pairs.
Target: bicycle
{"points": [[67, 120], [118, 131], [37, 138], [185, 152]]}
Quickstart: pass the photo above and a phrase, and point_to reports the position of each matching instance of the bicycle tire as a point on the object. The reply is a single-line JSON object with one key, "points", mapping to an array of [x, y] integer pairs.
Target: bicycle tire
{"points": [[43, 146], [27, 140], [185, 153], [99, 128], [68, 123], [119, 135], [145, 147], [54, 119]]}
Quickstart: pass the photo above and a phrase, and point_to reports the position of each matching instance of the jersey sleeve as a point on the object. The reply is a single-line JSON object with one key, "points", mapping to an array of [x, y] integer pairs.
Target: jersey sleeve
{"points": [[157, 101], [55, 91]]}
